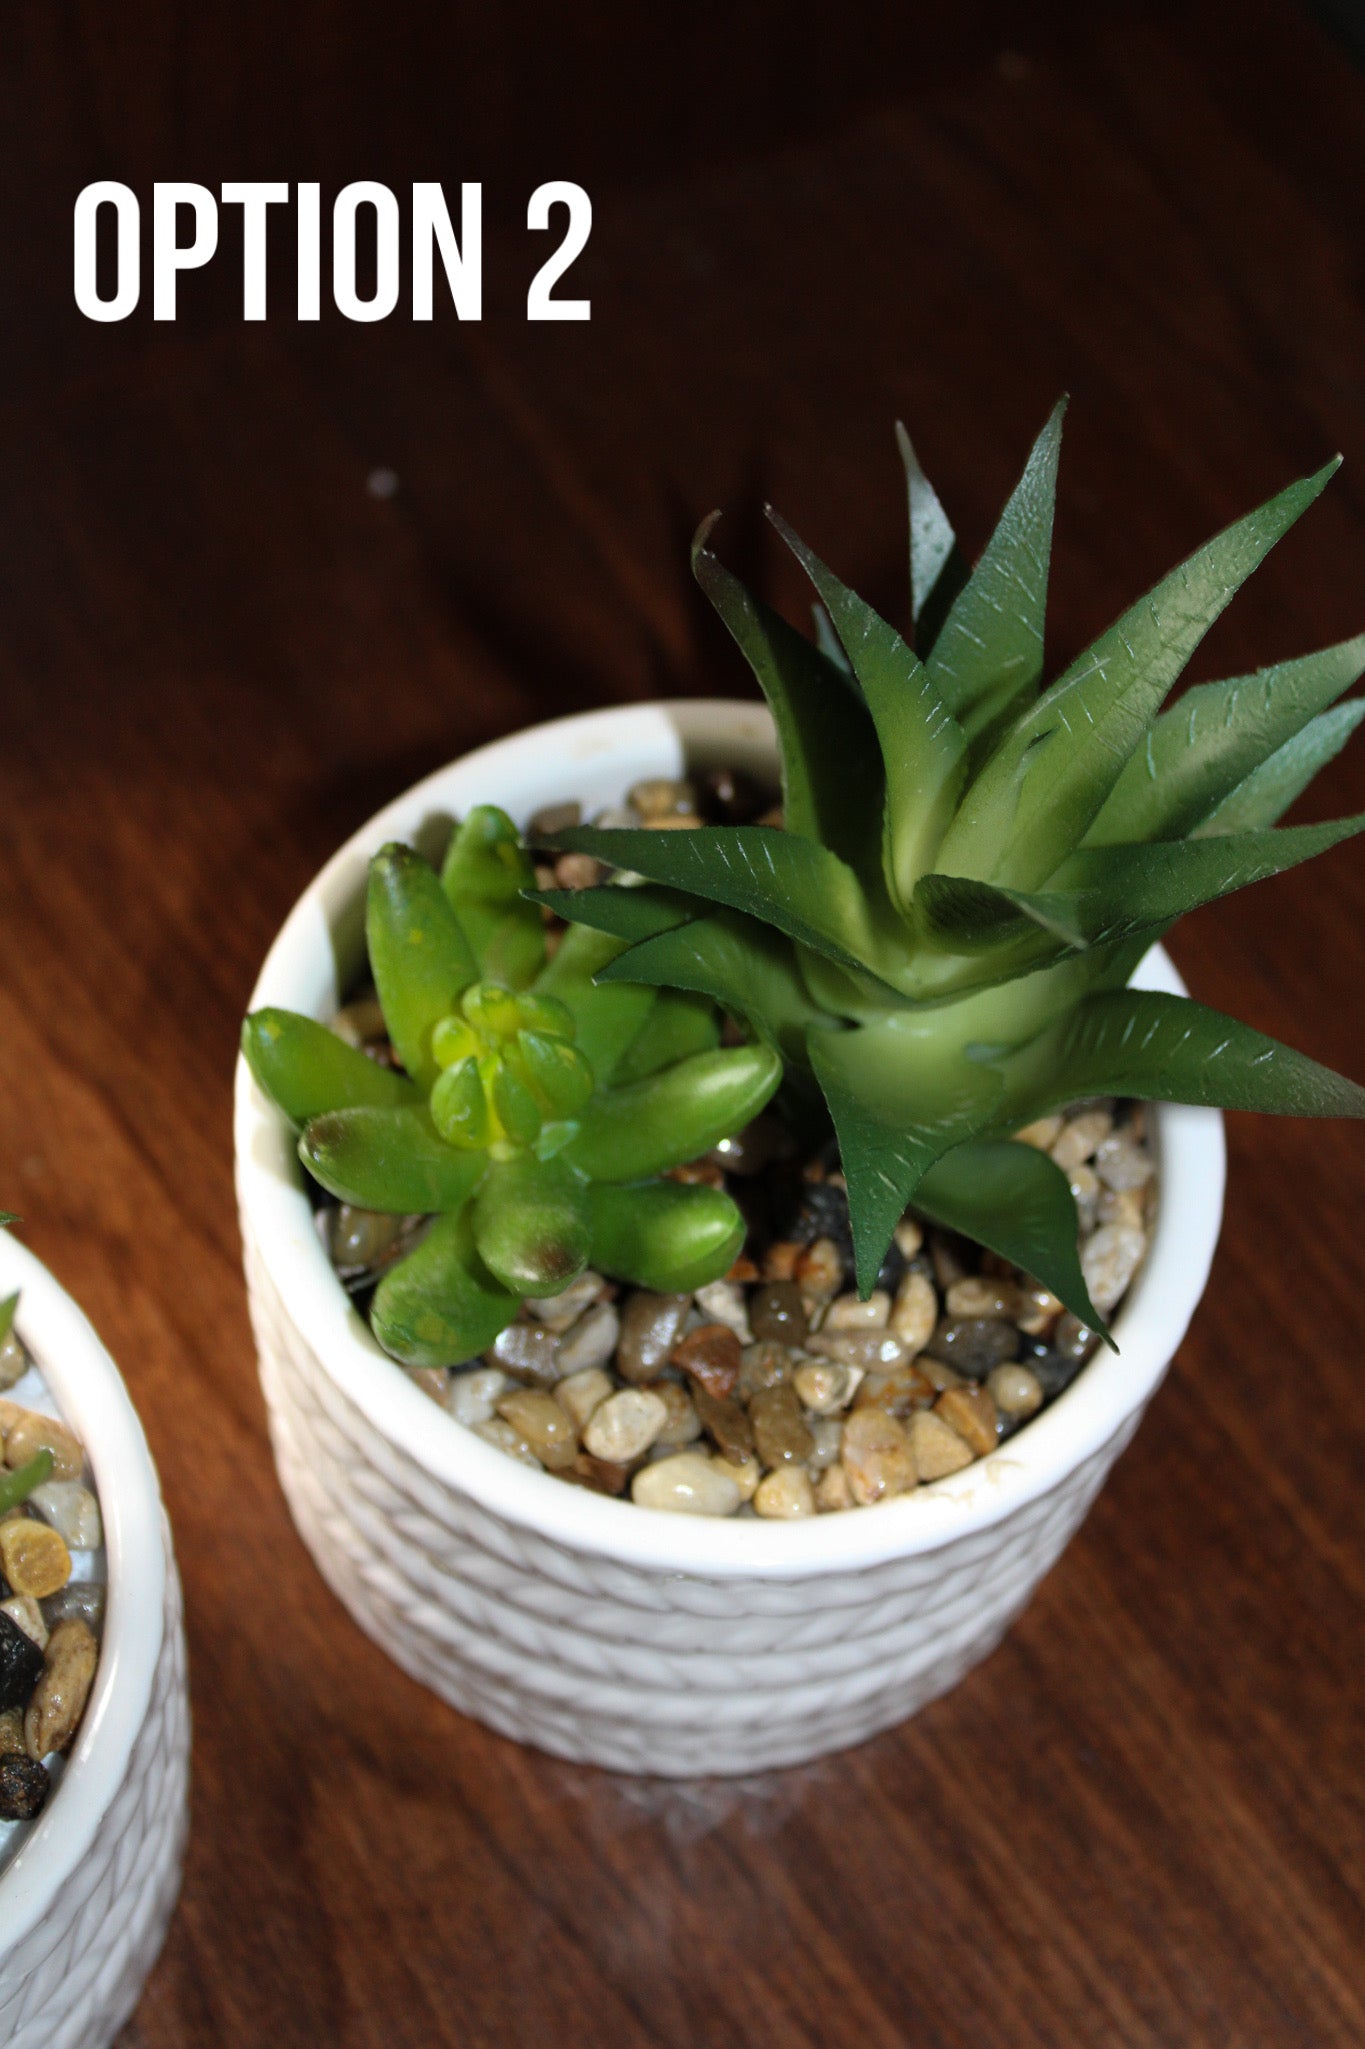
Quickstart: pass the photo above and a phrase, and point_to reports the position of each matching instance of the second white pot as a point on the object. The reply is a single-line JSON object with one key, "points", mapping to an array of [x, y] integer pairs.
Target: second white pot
{"points": [[590, 1627]]}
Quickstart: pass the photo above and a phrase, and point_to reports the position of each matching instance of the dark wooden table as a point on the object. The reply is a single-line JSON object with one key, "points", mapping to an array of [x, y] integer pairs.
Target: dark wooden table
{"points": [[1141, 1821]]}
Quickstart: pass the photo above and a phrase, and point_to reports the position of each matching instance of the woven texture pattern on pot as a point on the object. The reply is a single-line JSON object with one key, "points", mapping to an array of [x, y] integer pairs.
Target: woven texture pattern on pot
{"points": [[608, 1663], [75, 1978]]}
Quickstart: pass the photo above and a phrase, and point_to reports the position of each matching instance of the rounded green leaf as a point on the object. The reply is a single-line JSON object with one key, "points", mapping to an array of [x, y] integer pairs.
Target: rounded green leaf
{"points": [[555, 1072], [531, 1225], [671, 1117], [664, 1235], [459, 1107], [306, 1069], [441, 1306], [390, 1160], [419, 957], [486, 869]]}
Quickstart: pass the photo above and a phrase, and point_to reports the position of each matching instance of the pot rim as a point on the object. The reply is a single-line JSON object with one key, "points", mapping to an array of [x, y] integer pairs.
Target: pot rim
{"points": [[87, 1388], [300, 972]]}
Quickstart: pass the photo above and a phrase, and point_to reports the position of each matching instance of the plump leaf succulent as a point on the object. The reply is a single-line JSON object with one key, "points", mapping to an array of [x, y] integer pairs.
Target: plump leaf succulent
{"points": [[972, 866], [535, 1109]]}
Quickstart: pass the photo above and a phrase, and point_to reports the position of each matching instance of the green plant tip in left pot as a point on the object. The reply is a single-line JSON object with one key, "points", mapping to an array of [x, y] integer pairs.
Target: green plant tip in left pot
{"points": [[536, 1111]]}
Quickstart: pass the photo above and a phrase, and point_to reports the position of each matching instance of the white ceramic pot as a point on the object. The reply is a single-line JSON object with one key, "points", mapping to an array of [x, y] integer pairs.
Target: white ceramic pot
{"points": [[587, 1626], [85, 1902]]}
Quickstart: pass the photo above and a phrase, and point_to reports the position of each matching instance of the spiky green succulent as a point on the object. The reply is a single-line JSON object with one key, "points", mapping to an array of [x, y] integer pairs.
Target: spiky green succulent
{"points": [[535, 1110], [973, 866]]}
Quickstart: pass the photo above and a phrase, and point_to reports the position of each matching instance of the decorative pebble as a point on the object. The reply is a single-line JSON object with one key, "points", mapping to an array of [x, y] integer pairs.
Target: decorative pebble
{"points": [[785, 1495], [528, 1352], [1078, 1138], [650, 1327], [727, 1424], [23, 1609], [746, 1474], [557, 1312], [1127, 1206], [625, 1426], [914, 1312], [498, 1431], [591, 1341], [1085, 1189], [950, 1256], [935, 1448], [432, 1381], [24, 1787], [972, 1413], [828, 1433], [780, 1262], [546, 1427], [833, 1493], [826, 1385], [1016, 1392], [583, 1392], [876, 1457], [578, 871], [54, 1712], [1122, 1165], [658, 796], [820, 1271], [909, 1237], [938, 1372], [72, 1510], [777, 1311], [32, 1432], [33, 1557], [684, 1424], [686, 1484], [21, 1661], [13, 1361], [12, 1729], [1108, 1260], [781, 1433], [598, 1474], [848, 1312], [471, 1397], [1042, 1134], [361, 1238], [870, 1350], [898, 1392], [1038, 1311], [762, 1365], [712, 1355], [981, 1295], [974, 1344], [723, 1302], [80, 1599]]}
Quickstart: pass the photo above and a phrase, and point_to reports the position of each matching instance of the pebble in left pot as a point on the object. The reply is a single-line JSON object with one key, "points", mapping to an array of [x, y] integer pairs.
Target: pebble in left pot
{"points": [[51, 1587]]}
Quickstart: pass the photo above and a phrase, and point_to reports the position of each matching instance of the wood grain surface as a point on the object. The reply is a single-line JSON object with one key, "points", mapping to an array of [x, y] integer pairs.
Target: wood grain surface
{"points": [[1141, 1822]]}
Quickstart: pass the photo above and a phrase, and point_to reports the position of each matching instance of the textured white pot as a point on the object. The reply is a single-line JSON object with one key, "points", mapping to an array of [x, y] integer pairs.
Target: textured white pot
{"points": [[85, 1903], [592, 1628]]}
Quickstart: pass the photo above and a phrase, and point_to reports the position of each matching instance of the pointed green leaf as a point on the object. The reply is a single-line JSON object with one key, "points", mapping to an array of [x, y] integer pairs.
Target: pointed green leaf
{"points": [[938, 568], [390, 1160], [441, 1306], [420, 959], [828, 642], [1043, 786], [662, 1235], [1017, 1202], [1269, 790], [803, 889], [923, 747], [531, 1225], [673, 1117], [900, 1101], [607, 1016], [1140, 1042], [989, 655], [680, 1024], [486, 871], [831, 769], [306, 1069], [7, 1309], [1218, 734], [627, 913], [747, 968]]}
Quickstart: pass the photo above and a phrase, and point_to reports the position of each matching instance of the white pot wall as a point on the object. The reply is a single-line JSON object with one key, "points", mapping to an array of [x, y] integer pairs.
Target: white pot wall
{"points": [[592, 1628], [85, 1903]]}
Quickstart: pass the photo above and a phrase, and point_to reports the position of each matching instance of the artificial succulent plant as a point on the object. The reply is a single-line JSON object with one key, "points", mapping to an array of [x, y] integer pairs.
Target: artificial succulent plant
{"points": [[535, 1110], [972, 865]]}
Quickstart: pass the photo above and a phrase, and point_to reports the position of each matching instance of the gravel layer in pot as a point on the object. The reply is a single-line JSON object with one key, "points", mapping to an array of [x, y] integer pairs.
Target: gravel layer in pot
{"points": [[52, 1591], [776, 1391]]}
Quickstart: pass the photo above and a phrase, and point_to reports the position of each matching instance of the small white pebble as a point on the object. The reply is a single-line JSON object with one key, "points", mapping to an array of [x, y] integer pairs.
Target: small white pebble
{"points": [[1109, 1260], [591, 1341], [826, 1385], [746, 1475], [1015, 1391], [1121, 1165], [582, 1392], [1078, 1139], [72, 1510], [1042, 1134], [557, 1312], [625, 1425], [723, 1302], [915, 1312], [686, 1484], [497, 1431], [847, 1312], [471, 1397]]}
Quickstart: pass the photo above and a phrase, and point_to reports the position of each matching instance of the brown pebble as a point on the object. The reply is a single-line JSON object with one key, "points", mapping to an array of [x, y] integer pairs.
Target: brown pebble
{"points": [[544, 1423], [11, 1731], [24, 1786], [528, 1351], [33, 1558], [684, 1424], [763, 1365], [58, 1702], [599, 1474], [971, 1412], [650, 1327], [780, 1260], [777, 1311], [820, 1270], [698, 1174], [833, 1492], [32, 1433], [712, 1355], [876, 1457], [726, 1423], [578, 871], [952, 1258], [781, 1432], [974, 1344]]}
